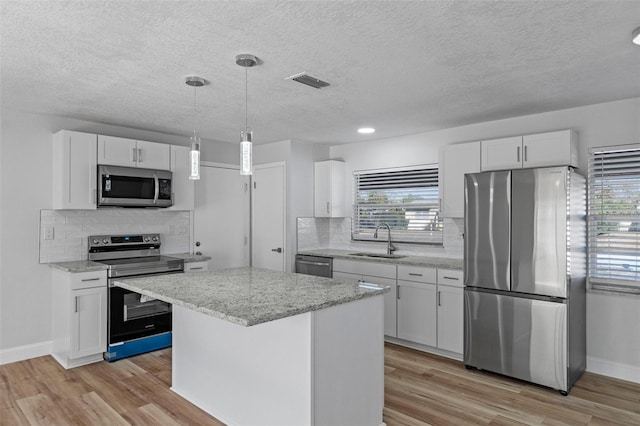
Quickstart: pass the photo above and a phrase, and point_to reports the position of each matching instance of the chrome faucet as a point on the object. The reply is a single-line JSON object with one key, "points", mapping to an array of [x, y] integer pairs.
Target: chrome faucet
{"points": [[390, 247]]}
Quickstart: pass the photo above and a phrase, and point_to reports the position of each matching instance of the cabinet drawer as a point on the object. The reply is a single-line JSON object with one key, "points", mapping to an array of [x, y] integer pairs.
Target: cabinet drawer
{"points": [[196, 266], [417, 273], [88, 280], [373, 269], [450, 277], [350, 266]]}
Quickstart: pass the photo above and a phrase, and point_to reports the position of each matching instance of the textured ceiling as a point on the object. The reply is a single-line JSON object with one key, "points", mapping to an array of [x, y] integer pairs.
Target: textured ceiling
{"points": [[401, 67]]}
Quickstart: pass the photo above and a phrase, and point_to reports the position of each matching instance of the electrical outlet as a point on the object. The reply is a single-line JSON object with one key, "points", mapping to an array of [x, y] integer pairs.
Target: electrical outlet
{"points": [[48, 232]]}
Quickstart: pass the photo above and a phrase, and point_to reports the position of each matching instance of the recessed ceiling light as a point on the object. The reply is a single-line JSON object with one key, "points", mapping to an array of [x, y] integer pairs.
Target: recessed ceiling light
{"points": [[366, 130], [636, 36]]}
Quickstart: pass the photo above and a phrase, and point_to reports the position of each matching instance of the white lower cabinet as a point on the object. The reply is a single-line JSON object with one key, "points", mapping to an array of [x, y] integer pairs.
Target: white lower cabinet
{"points": [[417, 304], [417, 312], [450, 318], [424, 306], [450, 310], [79, 317], [383, 274]]}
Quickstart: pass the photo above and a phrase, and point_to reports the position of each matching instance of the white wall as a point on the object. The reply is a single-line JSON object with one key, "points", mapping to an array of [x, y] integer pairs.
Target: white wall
{"points": [[613, 339], [25, 189]]}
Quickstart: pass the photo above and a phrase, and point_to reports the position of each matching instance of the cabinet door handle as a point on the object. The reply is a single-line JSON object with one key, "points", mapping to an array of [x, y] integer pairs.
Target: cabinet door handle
{"points": [[76, 303], [139, 155], [525, 153], [439, 298], [398, 292], [518, 154], [134, 155], [196, 268], [415, 275], [328, 210], [277, 250]]}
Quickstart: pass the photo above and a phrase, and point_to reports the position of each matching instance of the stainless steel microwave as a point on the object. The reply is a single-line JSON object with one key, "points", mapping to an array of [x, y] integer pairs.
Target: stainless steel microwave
{"points": [[132, 187]]}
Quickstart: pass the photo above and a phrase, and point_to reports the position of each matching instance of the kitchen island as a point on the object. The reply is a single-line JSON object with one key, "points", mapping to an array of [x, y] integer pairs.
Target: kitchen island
{"points": [[252, 346]]}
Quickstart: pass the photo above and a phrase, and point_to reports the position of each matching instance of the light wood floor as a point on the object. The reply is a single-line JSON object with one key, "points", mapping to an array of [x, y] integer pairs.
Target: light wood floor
{"points": [[419, 389]]}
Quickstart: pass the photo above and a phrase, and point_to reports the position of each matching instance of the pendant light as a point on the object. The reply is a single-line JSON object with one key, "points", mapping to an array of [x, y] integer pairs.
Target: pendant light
{"points": [[246, 136], [194, 153]]}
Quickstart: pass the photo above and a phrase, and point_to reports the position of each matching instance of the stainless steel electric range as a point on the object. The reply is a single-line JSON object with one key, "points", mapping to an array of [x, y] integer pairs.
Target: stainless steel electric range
{"points": [[136, 323]]}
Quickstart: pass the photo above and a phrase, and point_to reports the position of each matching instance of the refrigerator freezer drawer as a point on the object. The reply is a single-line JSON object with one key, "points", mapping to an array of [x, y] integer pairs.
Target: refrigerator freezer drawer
{"points": [[516, 336]]}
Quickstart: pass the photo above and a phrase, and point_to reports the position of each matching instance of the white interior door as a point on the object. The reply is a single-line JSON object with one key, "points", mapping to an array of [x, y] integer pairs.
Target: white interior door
{"points": [[221, 216], [268, 217]]}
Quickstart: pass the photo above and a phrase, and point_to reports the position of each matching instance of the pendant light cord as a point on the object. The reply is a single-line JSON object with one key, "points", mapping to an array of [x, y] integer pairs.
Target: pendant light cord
{"points": [[195, 110], [246, 100]]}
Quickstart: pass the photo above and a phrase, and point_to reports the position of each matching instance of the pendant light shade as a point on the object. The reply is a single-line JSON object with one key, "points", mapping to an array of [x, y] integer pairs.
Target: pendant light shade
{"points": [[194, 157], [194, 152], [246, 148], [246, 136]]}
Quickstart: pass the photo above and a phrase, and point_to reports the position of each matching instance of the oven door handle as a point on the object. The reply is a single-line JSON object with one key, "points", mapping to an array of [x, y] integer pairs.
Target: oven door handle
{"points": [[157, 191]]}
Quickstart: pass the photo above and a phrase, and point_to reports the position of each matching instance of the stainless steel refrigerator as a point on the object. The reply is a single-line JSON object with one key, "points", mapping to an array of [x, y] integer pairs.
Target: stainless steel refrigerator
{"points": [[525, 274]]}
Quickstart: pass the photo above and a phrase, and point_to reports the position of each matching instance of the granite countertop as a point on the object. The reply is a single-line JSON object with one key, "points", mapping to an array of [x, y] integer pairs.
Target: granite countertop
{"points": [[429, 262], [190, 258], [79, 266], [249, 296]]}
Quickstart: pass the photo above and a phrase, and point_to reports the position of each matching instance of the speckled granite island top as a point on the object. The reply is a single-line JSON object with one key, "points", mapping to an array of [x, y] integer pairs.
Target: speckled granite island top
{"points": [[249, 296]]}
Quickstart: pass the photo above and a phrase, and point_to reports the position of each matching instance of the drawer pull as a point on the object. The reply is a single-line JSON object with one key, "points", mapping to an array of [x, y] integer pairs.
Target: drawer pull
{"points": [[415, 275], [196, 268], [84, 280], [451, 278]]}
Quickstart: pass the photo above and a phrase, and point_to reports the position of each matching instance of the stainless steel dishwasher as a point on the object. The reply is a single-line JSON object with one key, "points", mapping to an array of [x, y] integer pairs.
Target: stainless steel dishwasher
{"points": [[314, 265]]}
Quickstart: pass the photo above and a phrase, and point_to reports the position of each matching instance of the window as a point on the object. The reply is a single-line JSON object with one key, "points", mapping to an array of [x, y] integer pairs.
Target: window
{"points": [[614, 218], [406, 199]]}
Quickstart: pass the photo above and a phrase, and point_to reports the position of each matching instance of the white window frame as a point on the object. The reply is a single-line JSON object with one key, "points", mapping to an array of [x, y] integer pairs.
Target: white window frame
{"points": [[614, 233], [423, 228]]}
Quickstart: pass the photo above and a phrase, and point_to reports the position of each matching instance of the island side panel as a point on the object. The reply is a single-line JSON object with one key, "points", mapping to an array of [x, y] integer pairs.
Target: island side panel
{"points": [[349, 363], [244, 375]]}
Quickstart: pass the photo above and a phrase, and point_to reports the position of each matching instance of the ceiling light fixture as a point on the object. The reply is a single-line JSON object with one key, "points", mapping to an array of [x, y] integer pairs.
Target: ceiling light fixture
{"points": [[246, 136], [366, 130], [635, 37], [194, 153]]}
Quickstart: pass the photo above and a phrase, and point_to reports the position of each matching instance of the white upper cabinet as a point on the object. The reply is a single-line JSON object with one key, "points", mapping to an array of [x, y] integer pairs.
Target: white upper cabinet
{"points": [[538, 150], [183, 188], [455, 161], [500, 154], [550, 149], [153, 155], [74, 170], [133, 153], [329, 187]]}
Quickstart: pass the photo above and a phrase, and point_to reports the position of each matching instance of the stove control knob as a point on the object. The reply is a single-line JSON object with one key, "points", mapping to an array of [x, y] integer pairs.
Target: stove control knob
{"points": [[155, 238], [105, 241], [96, 241], [146, 239]]}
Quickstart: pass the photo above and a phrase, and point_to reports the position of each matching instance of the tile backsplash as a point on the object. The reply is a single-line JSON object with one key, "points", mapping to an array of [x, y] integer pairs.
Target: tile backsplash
{"points": [[64, 233], [323, 233]]}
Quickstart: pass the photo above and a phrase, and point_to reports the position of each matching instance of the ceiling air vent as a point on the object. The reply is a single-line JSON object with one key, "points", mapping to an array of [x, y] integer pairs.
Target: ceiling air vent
{"points": [[305, 78]]}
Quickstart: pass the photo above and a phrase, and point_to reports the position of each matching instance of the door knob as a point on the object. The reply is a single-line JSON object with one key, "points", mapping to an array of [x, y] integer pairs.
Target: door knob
{"points": [[277, 250]]}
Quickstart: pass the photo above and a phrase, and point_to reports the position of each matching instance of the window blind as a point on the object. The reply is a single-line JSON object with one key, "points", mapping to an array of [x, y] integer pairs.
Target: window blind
{"points": [[614, 218], [407, 199]]}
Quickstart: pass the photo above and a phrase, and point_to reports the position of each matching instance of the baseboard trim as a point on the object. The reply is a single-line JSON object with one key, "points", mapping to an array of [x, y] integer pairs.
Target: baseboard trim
{"points": [[616, 370], [20, 353]]}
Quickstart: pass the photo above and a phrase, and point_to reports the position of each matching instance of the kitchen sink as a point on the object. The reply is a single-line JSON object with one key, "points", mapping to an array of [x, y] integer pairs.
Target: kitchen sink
{"points": [[384, 256]]}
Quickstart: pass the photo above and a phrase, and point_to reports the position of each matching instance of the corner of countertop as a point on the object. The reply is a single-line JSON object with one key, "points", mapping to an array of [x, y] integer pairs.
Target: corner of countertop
{"points": [[190, 258], [79, 266]]}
